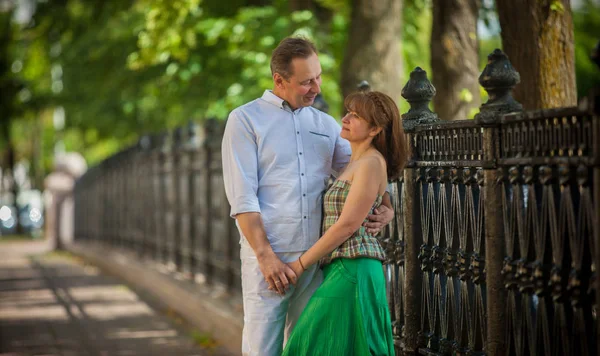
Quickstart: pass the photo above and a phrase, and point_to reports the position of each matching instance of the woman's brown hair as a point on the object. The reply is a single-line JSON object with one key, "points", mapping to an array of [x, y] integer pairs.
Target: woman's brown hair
{"points": [[379, 110]]}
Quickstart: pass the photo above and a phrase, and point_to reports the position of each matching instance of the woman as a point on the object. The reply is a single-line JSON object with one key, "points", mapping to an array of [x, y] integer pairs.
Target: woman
{"points": [[348, 314]]}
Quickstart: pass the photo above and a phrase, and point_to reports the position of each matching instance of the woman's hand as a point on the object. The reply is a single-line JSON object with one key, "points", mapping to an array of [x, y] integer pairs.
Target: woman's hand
{"points": [[297, 268]]}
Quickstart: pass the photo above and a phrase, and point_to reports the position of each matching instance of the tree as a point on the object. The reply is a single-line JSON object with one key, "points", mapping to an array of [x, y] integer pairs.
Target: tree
{"points": [[323, 11], [537, 36], [9, 87], [455, 58], [587, 28], [373, 51]]}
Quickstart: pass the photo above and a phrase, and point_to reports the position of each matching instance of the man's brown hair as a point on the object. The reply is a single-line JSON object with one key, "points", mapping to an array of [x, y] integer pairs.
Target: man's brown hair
{"points": [[379, 110], [288, 49]]}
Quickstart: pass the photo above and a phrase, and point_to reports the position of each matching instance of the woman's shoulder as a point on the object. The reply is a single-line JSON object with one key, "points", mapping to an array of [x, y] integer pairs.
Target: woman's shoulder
{"points": [[373, 159], [373, 163], [374, 167]]}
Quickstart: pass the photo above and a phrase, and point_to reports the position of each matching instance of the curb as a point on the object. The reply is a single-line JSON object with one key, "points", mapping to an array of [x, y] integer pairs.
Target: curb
{"points": [[220, 316]]}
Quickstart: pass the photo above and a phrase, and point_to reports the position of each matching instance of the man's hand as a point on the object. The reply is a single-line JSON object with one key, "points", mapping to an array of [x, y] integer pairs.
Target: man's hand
{"points": [[381, 217], [277, 274]]}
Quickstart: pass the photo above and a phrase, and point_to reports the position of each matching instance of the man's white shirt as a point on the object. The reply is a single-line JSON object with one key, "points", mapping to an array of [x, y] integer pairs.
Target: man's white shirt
{"points": [[277, 161]]}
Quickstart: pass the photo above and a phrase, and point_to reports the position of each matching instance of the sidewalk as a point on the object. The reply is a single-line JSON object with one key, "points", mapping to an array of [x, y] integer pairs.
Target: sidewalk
{"points": [[53, 304]]}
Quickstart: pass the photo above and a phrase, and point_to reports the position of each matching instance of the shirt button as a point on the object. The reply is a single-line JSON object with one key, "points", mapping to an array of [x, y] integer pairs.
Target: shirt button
{"points": [[305, 217], [303, 195], [300, 152], [298, 132], [302, 174]]}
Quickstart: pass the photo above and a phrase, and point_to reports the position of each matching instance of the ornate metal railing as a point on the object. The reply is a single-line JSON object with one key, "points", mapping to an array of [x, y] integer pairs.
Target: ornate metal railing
{"points": [[500, 220], [492, 250], [545, 174], [164, 198]]}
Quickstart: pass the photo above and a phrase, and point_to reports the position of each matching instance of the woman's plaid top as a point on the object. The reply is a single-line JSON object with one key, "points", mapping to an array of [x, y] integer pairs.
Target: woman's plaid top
{"points": [[360, 244]]}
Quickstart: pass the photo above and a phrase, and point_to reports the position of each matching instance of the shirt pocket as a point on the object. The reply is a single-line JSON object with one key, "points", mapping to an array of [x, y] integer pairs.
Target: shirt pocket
{"points": [[322, 145]]}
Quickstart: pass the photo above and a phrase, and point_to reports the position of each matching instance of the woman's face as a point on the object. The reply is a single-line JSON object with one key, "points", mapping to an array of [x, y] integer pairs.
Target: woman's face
{"points": [[355, 128]]}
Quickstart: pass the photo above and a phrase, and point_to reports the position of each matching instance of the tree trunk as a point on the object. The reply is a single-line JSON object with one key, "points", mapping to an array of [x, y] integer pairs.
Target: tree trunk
{"points": [[9, 90], [455, 58], [537, 36], [10, 166], [297, 5], [37, 164], [373, 51]]}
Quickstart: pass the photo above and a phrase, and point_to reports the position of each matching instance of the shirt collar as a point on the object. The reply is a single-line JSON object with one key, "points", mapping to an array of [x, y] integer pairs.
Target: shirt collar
{"points": [[270, 97]]}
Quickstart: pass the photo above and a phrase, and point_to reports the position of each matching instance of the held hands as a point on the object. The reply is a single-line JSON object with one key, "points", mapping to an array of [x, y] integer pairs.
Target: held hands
{"points": [[381, 217], [297, 267], [277, 274]]}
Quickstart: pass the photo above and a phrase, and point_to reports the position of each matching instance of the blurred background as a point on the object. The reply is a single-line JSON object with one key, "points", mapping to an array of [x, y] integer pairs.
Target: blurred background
{"points": [[92, 76]]}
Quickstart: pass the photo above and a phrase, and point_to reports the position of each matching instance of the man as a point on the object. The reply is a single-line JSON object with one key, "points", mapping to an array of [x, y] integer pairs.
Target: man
{"points": [[278, 154]]}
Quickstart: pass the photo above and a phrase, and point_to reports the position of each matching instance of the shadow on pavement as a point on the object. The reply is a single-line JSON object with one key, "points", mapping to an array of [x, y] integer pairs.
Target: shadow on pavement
{"points": [[55, 305]]}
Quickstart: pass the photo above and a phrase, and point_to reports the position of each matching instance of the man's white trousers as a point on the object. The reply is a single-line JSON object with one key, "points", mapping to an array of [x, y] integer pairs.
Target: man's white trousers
{"points": [[268, 317]]}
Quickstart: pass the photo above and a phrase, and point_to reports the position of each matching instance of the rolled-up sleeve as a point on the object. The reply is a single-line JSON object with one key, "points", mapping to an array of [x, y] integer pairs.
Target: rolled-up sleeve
{"points": [[240, 165]]}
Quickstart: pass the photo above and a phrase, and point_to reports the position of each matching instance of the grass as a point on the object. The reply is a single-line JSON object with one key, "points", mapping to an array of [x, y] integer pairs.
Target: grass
{"points": [[203, 340], [63, 255], [16, 238]]}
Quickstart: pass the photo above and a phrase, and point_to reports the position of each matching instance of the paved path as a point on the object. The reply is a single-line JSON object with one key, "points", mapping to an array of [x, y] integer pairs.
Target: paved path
{"points": [[53, 304]]}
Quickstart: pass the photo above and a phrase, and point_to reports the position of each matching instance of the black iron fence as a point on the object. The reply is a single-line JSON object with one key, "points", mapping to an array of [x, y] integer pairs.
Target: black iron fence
{"points": [[164, 198], [492, 250]]}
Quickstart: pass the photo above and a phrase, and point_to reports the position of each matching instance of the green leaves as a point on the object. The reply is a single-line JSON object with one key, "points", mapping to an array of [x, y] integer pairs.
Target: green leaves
{"points": [[130, 67], [166, 32], [224, 62], [557, 6], [587, 27]]}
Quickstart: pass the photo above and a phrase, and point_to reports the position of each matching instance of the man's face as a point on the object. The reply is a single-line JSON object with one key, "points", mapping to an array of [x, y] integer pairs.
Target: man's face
{"points": [[301, 88]]}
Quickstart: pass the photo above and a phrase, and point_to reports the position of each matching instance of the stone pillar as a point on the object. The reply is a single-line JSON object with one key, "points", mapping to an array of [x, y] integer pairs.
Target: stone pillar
{"points": [[59, 185]]}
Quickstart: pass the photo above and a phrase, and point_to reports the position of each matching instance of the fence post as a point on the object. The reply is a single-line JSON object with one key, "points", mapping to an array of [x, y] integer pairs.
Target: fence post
{"points": [[176, 172], [593, 102], [418, 92], [128, 172], [143, 194], [596, 237], [498, 78], [114, 187], [210, 129], [163, 197], [156, 223], [193, 142]]}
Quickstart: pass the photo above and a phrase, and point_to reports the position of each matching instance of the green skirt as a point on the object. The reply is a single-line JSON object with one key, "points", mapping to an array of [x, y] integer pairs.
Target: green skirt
{"points": [[347, 315]]}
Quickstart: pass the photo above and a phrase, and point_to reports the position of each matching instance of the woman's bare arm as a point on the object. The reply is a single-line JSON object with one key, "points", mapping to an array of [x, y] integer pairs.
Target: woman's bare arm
{"points": [[361, 196]]}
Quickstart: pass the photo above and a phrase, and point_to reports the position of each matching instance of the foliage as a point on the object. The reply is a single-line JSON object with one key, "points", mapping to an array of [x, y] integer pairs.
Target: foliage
{"points": [[214, 63], [121, 68], [416, 35], [587, 28]]}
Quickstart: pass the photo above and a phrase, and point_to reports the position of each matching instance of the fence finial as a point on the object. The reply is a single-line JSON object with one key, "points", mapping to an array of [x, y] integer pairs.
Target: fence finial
{"points": [[363, 86], [145, 143], [177, 137], [164, 142], [498, 79], [418, 91], [320, 103], [192, 137], [212, 129]]}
